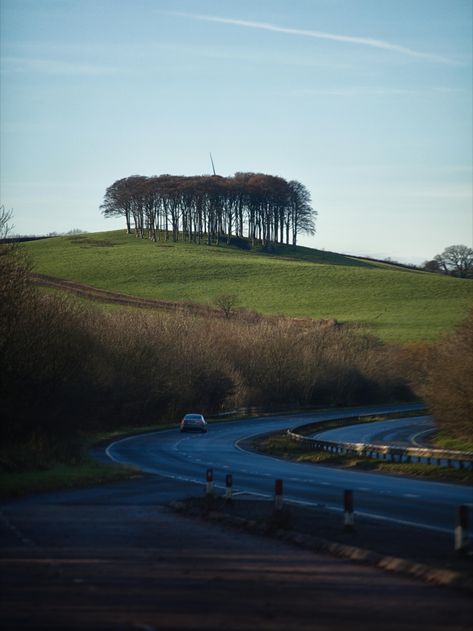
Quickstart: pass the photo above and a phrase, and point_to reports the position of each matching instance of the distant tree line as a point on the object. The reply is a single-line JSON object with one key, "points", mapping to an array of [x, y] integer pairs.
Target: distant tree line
{"points": [[263, 208]]}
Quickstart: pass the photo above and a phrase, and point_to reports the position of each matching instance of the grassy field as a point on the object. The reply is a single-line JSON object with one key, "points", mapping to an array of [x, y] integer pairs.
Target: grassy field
{"points": [[394, 303]]}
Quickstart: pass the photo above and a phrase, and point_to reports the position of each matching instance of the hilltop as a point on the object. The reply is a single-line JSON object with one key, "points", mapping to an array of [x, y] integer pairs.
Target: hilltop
{"points": [[394, 303]]}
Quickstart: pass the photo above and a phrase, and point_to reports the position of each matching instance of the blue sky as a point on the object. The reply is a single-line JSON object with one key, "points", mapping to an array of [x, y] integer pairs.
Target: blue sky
{"points": [[367, 102]]}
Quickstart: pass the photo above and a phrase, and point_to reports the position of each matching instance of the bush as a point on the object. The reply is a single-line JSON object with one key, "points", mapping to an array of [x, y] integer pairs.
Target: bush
{"points": [[66, 368], [447, 384]]}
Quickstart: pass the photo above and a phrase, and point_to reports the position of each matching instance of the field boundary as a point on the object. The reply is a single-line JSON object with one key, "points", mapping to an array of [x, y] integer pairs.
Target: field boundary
{"points": [[187, 308]]}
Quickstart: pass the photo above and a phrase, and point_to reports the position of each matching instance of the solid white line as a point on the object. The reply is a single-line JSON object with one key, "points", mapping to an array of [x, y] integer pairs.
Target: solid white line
{"points": [[124, 440], [315, 504], [372, 516], [424, 431]]}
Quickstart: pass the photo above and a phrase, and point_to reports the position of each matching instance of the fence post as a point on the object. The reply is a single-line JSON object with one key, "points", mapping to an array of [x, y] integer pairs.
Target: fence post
{"points": [[461, 529], [278, 494], [228, 486], [348, 518], [210, 481]]}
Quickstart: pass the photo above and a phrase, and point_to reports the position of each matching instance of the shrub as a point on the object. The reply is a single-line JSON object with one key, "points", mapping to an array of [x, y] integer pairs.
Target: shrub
{"points": [[447, 385], [66, 368]]}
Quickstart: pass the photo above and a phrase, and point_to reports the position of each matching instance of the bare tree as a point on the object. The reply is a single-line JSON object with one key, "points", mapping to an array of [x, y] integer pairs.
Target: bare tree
{"points": [[5, 218], [226, 303], [302, 215], [456, 260]]}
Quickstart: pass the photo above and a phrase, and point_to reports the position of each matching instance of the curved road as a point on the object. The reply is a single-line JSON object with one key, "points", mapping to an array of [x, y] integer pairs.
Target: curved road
{"points": [[429, 505], [401, 432]]}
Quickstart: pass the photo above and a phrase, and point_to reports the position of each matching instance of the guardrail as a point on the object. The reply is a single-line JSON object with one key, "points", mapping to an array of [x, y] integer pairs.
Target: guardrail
{"points": [[439, 457]]}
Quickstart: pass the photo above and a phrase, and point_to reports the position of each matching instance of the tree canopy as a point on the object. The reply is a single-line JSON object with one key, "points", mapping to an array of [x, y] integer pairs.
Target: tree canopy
{"points": [[456, 260], [261, 207]]}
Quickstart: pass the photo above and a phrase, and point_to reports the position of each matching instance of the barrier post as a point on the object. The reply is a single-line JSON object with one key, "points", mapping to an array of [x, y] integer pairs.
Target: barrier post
{"points": [[228, 486], [210, 481], [278, 494], [348, 518], [461, 529]]}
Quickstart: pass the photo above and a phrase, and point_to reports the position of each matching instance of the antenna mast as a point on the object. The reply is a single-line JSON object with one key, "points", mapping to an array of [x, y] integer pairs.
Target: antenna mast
{"points": [[213, 167]]}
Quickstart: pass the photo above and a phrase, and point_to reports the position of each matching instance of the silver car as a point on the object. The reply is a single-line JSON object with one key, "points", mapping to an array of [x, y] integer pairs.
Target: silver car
{"points": [[193, 423]]}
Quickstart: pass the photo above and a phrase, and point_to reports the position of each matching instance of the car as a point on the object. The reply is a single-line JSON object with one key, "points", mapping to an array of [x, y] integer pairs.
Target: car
{"points": [[193, 423]]}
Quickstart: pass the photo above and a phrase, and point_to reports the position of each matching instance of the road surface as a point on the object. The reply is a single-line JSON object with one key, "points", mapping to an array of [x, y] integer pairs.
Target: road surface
{"points": [[186, 457], [401, 432], [113, 558]]}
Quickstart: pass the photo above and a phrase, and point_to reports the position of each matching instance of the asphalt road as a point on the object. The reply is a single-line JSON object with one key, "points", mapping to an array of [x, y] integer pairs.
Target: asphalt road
{"points": [[402, 432], [113, 558], [186, 457]]}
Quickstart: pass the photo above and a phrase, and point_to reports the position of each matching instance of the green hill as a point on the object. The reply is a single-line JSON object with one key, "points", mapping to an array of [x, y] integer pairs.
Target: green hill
{"points": [[393, 302]]}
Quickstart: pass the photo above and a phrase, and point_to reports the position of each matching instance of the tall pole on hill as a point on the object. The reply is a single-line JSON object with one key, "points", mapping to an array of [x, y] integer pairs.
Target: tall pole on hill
{"points": [[213, 167]]}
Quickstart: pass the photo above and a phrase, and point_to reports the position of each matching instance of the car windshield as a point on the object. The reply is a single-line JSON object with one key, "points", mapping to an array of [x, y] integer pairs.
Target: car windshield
{"points": [[193, 417]]}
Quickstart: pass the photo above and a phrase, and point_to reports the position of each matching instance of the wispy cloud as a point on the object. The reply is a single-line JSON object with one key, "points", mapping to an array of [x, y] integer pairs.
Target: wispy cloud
{"points": [[347, 39], [353, 91], [54, 67], [363, 91]]}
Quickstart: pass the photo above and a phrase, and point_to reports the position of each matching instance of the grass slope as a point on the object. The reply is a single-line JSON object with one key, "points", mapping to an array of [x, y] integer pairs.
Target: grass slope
{"points": [[393, 302]]}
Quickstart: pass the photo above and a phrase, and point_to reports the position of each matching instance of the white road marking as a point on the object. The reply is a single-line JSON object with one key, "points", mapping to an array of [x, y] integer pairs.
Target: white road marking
{"points": [[424, 431]]}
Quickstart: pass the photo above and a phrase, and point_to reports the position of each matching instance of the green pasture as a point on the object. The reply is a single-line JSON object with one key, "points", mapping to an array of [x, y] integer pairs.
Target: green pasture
{"points": [[394, 303]]}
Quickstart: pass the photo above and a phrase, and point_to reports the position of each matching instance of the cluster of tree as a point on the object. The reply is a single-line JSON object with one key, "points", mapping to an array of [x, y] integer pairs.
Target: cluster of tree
{"points": [[212, 208], [456, 260]]}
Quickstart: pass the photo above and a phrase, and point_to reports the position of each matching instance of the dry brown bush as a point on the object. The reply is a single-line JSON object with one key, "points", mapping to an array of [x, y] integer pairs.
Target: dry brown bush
{"points": [[445, 381], [67, 368]]}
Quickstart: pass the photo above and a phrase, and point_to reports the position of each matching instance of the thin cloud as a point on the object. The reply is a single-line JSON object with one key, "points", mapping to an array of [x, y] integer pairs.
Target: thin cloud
{"points": [[347, 39], [54, 67], [354, 91]]}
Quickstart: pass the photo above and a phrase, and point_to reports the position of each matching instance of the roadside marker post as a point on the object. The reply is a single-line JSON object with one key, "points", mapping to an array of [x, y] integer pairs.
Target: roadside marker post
{"points": [[210, 481], [228, 486], [461, 529], [278, 494], [348, 518]]}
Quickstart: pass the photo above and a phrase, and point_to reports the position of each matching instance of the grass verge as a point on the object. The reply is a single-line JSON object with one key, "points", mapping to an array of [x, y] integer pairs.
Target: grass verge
{"points": [[88, 472], [62, 476], [281, 446]]}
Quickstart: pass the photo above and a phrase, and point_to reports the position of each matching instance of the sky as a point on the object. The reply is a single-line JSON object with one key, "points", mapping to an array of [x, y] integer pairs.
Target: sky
{"points": [[368, 103]]}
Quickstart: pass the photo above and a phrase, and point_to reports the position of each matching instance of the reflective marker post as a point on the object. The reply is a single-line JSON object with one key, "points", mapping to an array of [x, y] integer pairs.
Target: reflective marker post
{"points": [[210, 481], [228, 486], [461, 529], [278, 495], [348, 519]]}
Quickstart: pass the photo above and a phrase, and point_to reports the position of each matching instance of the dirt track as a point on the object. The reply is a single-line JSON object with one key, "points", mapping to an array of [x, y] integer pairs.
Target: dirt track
{"points": [[104, 295]]}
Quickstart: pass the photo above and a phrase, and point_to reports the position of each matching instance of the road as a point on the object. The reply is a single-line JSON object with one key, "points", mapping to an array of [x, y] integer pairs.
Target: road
{"points": [[113, 558], [186, 457], [402, 432]]}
